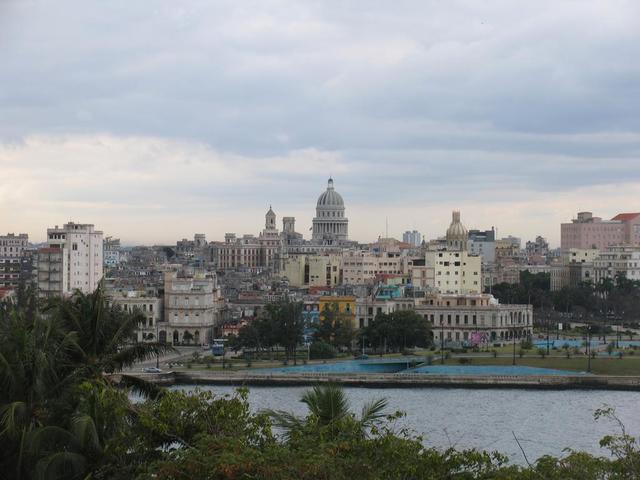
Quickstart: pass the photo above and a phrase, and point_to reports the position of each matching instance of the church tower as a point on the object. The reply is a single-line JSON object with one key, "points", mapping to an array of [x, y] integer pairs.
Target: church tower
{"points": [[270, 220]]}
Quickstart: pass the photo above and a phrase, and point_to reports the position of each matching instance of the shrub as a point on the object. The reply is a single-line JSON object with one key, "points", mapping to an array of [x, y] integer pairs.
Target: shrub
{"points": [[542, 352], [526, 344], [464, 360], [321, 350], [495, 353], [521, 352]]}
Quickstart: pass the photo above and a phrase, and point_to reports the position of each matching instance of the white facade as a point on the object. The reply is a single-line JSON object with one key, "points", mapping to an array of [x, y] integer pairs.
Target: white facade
{"points": [[330, 225], [81, 246], [455, 272], [617, 261]]}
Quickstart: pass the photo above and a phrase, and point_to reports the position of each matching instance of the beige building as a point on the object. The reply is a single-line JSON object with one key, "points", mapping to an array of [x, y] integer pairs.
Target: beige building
{"points": [[368, 307], [364, 267], [12, 245], [454, 270], [191, 306], [303, 271], [250, 252], [474, 318], [577, 266], [151, 309]]}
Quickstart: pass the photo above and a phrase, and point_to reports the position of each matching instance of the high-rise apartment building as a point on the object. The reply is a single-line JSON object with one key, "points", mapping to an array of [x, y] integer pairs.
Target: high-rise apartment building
{"points": [[11, 248], [455, 271], [75, 251], [412, 238]]}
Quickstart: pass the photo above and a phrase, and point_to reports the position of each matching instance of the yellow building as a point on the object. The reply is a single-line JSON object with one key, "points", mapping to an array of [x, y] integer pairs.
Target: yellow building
{"points": [[346, 305]]}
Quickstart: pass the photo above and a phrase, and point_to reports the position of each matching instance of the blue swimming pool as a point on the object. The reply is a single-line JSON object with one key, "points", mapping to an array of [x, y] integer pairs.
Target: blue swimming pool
{"points": [[408, 367], [561, 343], [580, 343], [489, 370], [388, 365]]}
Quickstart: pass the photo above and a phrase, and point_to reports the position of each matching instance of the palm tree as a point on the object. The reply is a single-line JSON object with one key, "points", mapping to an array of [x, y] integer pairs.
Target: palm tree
{"points": [[35, 366], [328, 406], [105, 337]]}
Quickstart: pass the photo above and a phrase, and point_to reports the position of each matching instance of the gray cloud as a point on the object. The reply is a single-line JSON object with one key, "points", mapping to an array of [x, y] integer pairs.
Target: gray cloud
{"points": [[418, 102]]}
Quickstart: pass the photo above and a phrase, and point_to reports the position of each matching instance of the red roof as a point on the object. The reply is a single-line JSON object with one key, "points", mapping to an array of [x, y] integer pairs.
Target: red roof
{"points": [[625, 217]]}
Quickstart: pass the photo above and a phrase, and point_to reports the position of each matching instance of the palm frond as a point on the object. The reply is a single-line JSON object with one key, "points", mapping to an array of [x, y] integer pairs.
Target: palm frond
{"points": [[68, 465], [46, 440], [85, 432], [142, 387], [137, 352], [327, 402], [285, 421], [14, 415], [373, 412]]}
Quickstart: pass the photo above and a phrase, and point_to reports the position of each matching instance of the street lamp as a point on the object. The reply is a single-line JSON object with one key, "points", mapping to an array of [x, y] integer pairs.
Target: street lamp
{"points": [[548, 318], [442, 340], [157, 353], [588, 348], [513, 334]]}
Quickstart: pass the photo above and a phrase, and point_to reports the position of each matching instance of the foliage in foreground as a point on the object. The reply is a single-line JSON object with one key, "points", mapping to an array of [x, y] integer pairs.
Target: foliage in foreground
{"points": [[62, 417]]}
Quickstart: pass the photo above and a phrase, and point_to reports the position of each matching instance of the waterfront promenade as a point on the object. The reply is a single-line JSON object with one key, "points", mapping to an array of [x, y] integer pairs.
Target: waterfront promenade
{"points": [[387, 380]]}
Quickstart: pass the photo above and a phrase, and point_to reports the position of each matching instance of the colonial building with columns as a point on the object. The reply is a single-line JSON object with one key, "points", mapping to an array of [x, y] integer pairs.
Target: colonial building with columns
{"points": [[474, 319], [191, 308]]}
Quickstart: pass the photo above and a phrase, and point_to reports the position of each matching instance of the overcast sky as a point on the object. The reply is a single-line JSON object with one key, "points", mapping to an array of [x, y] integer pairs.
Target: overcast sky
{"points": [[158, 119]]}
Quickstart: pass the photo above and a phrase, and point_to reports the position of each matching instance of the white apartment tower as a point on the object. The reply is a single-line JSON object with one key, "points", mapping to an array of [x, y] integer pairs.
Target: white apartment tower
{"points": [[412, 238], [81, 248]]}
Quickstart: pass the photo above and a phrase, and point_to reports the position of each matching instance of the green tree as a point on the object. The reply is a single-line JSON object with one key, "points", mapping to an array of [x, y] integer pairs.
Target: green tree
{"points": [[335, 327], [328, 406]]}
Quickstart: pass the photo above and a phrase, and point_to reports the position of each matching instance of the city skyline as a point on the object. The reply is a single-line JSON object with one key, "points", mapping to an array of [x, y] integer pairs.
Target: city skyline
{"points": [[157, 124]]}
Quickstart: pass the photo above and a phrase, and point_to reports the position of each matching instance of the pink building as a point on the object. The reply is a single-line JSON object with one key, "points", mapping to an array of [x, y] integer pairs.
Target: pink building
{"points": [[631, 222], [587, 231]]}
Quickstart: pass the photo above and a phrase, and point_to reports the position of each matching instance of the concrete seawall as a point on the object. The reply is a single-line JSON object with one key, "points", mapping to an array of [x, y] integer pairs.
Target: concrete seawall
{"points": [[386, 380]]}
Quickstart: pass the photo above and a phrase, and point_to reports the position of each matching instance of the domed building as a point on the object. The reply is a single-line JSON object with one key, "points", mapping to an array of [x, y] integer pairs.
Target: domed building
{"points": [[457, 235], [330, 226]]}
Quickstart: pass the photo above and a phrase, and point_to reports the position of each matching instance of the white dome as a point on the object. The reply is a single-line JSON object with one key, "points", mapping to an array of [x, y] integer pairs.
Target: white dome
{"points": [[330, 198]]}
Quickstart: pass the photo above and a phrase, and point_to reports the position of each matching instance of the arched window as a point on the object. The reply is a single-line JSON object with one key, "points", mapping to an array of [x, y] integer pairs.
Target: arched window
{"points": [[176, 337]]}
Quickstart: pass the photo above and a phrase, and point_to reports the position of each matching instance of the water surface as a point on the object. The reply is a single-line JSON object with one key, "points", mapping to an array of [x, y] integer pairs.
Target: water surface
{"points": [[545, 422]]}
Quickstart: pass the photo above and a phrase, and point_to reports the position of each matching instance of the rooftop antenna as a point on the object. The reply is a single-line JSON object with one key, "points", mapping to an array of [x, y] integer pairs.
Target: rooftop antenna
{"points": [[386, 224]]}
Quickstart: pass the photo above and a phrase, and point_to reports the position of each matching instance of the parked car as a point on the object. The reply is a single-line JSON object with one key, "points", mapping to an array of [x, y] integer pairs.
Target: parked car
{"points": [[151, 370]]}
